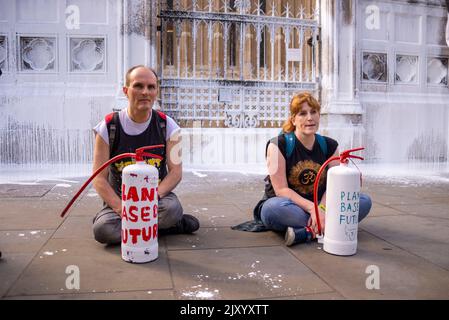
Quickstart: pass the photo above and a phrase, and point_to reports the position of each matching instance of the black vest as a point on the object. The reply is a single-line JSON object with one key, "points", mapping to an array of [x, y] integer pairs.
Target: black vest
{"points": [[302, 167], [123, 143]]}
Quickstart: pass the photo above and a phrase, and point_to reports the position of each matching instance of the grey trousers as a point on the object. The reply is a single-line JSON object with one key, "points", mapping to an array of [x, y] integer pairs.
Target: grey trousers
{"points": [[108, 224]]}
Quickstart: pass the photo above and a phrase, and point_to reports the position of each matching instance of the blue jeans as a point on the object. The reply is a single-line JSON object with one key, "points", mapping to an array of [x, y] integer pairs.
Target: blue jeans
{"points": [[279, 213]]}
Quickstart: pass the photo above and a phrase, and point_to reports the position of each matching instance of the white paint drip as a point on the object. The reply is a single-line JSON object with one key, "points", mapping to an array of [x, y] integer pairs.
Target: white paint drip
{"points": [[63, 185], [200, 175]]}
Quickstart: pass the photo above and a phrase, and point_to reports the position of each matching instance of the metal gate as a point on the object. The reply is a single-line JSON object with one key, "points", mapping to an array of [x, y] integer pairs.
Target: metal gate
{"points": [[236, 63]]}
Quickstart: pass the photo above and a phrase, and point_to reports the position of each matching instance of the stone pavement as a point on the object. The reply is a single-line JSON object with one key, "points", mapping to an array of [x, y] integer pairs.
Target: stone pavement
{"points": [[406, 236]]}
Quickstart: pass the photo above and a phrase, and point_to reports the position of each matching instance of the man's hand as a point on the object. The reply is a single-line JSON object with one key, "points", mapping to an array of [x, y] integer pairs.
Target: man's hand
{"points": [[101, 184]]}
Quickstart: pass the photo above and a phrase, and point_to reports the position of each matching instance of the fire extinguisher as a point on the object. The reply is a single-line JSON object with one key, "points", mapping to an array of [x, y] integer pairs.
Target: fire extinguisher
{"points": [[342, 205], [139, 205]]}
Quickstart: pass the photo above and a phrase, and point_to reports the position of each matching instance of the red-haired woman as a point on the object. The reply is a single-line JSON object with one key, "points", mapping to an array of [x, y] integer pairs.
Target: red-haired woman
{"points": [[289, 187]]}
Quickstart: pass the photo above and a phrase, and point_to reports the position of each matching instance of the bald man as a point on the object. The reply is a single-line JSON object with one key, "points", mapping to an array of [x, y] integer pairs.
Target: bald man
{"points": [[136, 126]]}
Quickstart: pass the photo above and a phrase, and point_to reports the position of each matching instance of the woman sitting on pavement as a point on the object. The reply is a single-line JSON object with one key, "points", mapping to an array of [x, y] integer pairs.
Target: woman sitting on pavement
{"points": [[288, 205]]}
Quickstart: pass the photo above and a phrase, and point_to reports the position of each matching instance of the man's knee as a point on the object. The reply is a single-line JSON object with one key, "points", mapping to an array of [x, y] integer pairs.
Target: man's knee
{"points": [[170, 211], [107, 233]]}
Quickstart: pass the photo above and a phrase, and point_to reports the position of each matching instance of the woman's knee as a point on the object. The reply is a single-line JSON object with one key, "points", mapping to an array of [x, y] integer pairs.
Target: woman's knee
{"points": [[364, 206], [271, 209]]}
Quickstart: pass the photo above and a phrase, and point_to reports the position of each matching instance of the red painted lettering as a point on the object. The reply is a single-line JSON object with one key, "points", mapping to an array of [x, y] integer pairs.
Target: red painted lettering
{"points": [[132, 194], [125, 235], [155, 230], [123, 192], [145, 213], [134, 233], [145, 236], [146, 195], [133, 217], [155, 211], [124, 214]]}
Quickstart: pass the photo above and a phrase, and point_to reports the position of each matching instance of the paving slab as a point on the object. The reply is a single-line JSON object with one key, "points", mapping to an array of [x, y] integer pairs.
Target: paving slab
{"points": [[402, 275], [425, 237], [114, 295], [222, 237], [101, 269], [379, 210], [317, 296], [435, 210], [222, 215], [23, 241], [75, 227], [65, 189], [241, 273], [30, 215], [11, 266], [24, 190]]}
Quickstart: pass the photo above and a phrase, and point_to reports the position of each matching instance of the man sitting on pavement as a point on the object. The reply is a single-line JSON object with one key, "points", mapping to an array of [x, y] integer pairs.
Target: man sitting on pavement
{"points": [[136, 126]]}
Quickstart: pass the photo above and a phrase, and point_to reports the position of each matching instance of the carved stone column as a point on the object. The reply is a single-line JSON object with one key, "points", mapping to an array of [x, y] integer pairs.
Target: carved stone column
{"points": [[341, 110]]}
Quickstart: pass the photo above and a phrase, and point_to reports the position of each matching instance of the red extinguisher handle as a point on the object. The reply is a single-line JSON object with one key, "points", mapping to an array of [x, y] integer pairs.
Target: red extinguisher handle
{"points": [[140, 152]]}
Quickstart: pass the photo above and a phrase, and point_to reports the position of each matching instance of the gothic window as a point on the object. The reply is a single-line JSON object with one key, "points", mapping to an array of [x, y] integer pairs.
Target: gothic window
{"points": [[37, 54], [169, 43], [406, 69], [437, 71], [232, 45], [3, 53], [374, 67], [263, 37], [87, 54]]}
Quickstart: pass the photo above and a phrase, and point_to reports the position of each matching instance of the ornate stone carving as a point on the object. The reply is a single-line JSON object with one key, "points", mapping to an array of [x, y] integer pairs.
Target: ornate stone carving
{"points": [[87, 55], [374, 67], [406, 69], [3, 52], [37, 53], [241, 119], [437, 71]]}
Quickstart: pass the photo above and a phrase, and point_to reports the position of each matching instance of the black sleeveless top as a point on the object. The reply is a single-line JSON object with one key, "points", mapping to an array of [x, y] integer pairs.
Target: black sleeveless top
{"points": [[303, 165], [124, 143]]}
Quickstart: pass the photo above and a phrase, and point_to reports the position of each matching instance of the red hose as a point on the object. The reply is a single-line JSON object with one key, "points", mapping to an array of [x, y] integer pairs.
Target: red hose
{"points": [[343, 159], [120, 156], [140, 153]]}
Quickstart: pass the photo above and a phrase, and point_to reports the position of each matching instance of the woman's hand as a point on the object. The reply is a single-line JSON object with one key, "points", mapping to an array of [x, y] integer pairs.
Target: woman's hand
{"points": [[312, 223]]}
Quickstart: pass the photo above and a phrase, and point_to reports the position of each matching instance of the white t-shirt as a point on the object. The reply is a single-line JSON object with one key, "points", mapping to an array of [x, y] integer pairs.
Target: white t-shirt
{"points": [[133, 128]]}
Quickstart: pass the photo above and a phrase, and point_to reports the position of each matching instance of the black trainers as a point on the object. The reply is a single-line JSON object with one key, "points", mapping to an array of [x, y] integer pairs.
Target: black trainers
{"points": [[187, 224]]}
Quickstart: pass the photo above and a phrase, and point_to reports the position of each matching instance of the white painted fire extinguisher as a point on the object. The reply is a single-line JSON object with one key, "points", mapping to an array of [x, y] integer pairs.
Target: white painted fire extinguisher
{"points": [[139, 206], [342, 206], [139, 212]]}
